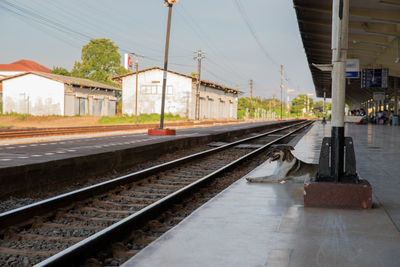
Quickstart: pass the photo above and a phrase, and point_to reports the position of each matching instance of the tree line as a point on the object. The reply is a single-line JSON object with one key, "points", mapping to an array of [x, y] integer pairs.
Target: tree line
{"points": [[301, 106]]}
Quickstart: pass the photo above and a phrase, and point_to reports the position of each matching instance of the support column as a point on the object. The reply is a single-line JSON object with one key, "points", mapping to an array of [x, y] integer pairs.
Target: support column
{"points": [[340, 20], [323, 109], [396, 96], [395, 118]]}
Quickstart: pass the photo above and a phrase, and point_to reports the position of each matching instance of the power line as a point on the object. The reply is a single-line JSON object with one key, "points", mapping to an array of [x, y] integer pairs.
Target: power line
{"points": [[48, 23], [252, 31], [191, 22]]}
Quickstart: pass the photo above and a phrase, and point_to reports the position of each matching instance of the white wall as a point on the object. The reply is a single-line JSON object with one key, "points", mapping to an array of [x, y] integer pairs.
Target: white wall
{"points": [[33, 94], [10, 73], [177, 99], [216, 104]]}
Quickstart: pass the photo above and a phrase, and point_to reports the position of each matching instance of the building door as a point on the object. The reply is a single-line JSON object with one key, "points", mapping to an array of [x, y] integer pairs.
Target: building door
{"points": [[80, 106]]}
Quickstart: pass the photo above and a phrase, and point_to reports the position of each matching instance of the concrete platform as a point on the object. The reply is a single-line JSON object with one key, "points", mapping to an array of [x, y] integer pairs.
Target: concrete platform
{"points": [[267, 224]]}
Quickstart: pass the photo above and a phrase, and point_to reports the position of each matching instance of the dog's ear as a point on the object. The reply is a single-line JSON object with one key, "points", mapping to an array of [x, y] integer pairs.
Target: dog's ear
{"points": [[289, 154]]}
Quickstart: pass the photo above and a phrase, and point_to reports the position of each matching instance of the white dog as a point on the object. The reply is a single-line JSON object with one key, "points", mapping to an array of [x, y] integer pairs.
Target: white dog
{"points": [[288, 167]]}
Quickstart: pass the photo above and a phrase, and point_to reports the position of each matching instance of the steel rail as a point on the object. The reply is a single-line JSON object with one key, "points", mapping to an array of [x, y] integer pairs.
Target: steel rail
{"points": [[21, 214], [75, 254], [20, 133]]}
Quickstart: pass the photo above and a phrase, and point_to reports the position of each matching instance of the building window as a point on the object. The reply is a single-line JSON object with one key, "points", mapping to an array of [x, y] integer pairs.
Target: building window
{"points": [[152, 89], [148, 89]]}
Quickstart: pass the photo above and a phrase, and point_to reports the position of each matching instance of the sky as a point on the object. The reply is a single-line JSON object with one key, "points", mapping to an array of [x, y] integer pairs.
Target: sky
{"points": [[52, 33]]}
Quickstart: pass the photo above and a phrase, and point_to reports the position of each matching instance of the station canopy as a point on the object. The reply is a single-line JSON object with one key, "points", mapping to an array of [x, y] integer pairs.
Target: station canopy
{"points": [[374, 34]]}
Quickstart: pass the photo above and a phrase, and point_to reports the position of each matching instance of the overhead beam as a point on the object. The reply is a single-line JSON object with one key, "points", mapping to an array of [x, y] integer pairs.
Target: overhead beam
{"points": [[377, 14], [393, 2], [381, 40], [320, 22], [370, 47], [377, 28], [367, 38], [318, 9]]}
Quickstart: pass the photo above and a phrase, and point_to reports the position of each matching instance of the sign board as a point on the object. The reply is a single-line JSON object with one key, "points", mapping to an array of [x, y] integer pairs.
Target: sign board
{"points": [[352, 68], [379, 96], [374, 78], [128, 61]]}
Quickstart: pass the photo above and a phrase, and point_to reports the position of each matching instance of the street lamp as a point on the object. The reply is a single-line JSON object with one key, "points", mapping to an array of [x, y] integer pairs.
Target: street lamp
{"points": [[323, 109], [169, 4]]}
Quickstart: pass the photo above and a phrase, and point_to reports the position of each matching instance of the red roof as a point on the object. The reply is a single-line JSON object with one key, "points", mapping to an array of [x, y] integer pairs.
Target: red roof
{"points": [[24, 65]]}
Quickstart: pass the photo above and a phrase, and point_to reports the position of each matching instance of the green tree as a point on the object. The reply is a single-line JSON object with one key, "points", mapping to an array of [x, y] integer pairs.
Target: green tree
{"points": [[60, 71], [318, 108], [268, 104], [301, 102], [100, 61]]}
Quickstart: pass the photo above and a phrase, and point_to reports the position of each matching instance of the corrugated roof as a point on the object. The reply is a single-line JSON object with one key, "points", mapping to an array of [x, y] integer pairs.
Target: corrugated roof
{"points": [[66, 80], [203, 82], [373, 39], [24, 65]]}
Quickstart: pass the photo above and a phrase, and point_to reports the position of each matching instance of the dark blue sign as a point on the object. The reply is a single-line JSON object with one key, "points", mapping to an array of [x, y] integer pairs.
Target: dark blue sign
{"points": [[352, 74], [374, 78]]}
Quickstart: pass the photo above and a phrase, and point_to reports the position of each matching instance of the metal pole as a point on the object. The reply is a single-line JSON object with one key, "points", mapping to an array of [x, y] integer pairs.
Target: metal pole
{"points": [[396, 97], [136, 97], [281, 87], [340, 17], [165, 66], [323, 109], [251, 93]]}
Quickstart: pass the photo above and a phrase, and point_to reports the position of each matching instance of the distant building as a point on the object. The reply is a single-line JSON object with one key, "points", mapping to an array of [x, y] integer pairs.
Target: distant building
{"points": [[40, 93], [18, 67], [216, 101]]}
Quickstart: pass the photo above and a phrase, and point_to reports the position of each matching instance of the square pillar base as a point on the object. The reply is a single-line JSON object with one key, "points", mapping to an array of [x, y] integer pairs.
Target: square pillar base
{"points": [[161, 132], [338, 195]]}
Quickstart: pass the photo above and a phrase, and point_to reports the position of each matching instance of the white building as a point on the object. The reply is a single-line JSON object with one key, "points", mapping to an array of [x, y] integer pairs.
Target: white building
{"points": [[18, 67], [39, 93], [216, 101]]}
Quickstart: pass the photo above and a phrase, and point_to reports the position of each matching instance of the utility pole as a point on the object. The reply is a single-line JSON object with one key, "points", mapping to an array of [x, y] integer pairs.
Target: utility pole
{"points": [[281, 88], [273, 96], [137, 78], [287, 98], [199, 57], [251, 92], [251, 95]]}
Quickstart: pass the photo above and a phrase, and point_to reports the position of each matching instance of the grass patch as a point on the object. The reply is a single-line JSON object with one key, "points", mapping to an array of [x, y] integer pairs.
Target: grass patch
{"points": [[13, 114], [142, 118]]}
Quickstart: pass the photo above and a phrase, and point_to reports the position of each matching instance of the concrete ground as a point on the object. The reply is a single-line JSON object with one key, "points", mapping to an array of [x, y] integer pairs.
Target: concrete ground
{"points": [[267, 224]]}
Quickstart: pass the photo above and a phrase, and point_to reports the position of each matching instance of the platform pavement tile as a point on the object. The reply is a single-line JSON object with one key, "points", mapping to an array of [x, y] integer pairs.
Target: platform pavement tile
{"points": [[240, 234], [341, 249], [315, 220]]}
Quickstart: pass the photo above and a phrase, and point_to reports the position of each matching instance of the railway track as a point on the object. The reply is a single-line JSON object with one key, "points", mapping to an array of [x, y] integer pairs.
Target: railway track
{"points": [[65, 230], [27, 133]]}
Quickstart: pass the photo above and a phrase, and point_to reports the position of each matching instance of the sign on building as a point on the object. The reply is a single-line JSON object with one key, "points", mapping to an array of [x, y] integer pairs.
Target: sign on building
{"points": [[128, 61], [352, 68], [379, 96], [374, 78]]}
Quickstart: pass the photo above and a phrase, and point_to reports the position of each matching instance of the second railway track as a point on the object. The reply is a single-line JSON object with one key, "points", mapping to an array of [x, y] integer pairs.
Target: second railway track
{"points": [[67, 229], [40, 132]]}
